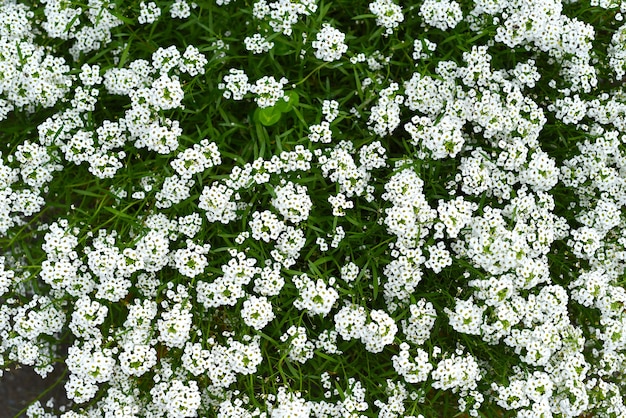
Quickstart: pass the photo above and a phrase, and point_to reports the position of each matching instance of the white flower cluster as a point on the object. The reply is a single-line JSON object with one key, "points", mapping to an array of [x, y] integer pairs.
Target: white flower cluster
{"points": [[292, 201], [314, 297], [257, 312], [617, 52], [467, 317], [330, 110], [441, 14], [27, 328], [164, 314], [409, 220], [181, 9], [173, 191], [375, 330], [267, 90], [227, 289], [6, 277], [329, 44], [283, 14], [257, 44], [221, 363], [21, 187], [395, 406], [417, 327], [191, 261], [413, 368], [62, 269], [321, 133], [177, 399], [196, 159], [445, 139], [31, 76], [88, 24], [88, 364], [568, 40], [385, 115], [388, 15], [427, 95], [423, 49], [340, 167], [301, 349], [289, 404], [352, 403], [217, 203], [460, 372], [235, 84], [149, 12]]}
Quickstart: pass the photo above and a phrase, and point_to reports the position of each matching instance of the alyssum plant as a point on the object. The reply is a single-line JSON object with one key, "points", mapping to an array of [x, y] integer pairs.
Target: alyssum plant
{"points": [[298, 208]]}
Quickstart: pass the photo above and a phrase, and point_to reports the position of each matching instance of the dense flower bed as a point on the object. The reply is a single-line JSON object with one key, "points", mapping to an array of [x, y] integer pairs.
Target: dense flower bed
{"points": [[293, 208]]}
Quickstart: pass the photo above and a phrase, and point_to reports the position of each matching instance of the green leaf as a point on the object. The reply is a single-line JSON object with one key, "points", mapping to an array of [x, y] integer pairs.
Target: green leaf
{"points": [[286, 106], [268, 116]]}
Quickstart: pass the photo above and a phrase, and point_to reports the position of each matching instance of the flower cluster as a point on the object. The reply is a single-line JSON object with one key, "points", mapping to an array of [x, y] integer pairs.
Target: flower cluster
{"points": [[329, 44], [300, 208]]}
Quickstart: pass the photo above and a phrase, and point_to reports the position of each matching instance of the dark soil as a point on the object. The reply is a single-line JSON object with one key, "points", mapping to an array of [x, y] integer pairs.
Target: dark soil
{"points": [[20, 387]]}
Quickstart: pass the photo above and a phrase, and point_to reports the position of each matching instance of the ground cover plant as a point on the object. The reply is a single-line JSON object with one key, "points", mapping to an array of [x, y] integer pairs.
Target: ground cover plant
{"points": [[293, 208]]}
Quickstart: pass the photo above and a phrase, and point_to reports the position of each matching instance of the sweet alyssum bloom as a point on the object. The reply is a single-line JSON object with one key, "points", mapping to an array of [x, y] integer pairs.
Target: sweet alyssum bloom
{"points": [[268, 91], [257, 312], [149, 12], [315, 297], [388, 15], [199, 303], [329, 44], [292, 201]]}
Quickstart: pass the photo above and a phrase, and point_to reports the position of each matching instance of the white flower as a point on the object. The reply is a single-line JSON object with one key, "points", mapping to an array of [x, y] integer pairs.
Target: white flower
{"points": [[439, 257], [329, 45], [467, 317], [193, 61], [330, 110], [388, 15], [173, 190], [257, 312], [165, 59], [87, 318], [442, 14], [270, 281], [414, 368], [180, 9], [137, 359], [257, 44], [149, 12], [417, 327], [166, 92], [292, 201], [316, 298], [180, 399], [321, 133], [290, 405], [266, 226], [191, 261], [235, 84], [175, 325], [339, 204], [196, 359], [459, 372], [380, 332], [268, 91], [217, 201]]}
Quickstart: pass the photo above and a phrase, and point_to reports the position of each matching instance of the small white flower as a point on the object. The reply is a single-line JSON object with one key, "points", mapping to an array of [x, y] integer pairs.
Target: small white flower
{"points": [[257, 312], [149, 12], [329, 44]]}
